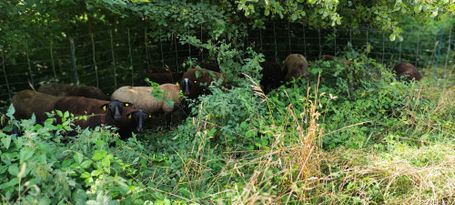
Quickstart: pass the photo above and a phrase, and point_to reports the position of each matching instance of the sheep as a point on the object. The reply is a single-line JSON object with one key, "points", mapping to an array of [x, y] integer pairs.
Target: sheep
{"points": [[195, 81], [165, 77], [29, 102], [210, 65], [132, 120], [84, 106], [294, 66], [60, 89], [141, 97], [272, 76], [407, 71]]}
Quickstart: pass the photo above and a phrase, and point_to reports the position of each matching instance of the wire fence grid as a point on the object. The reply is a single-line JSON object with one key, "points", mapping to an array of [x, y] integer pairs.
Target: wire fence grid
{"points": [[112, 58]]}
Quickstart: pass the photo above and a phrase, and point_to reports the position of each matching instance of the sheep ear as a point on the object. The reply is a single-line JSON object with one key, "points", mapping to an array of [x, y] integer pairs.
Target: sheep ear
{"points": [[104, 107]]}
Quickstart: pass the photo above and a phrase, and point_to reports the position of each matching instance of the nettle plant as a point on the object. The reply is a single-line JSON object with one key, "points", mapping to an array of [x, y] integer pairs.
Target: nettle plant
{"points": [[45, 166]]}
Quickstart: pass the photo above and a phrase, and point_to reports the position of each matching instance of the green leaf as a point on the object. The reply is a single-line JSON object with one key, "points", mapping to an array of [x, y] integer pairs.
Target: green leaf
{"points": [[11, 111], [10, 183], [85, 175], [86, 164], [25, 154], [78, 157], [13, 169], [99, 154], [6, 141]]}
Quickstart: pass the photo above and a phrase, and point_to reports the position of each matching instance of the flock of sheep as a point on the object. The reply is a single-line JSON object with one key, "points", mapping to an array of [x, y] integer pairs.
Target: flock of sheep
{"points": [[132, 109]]}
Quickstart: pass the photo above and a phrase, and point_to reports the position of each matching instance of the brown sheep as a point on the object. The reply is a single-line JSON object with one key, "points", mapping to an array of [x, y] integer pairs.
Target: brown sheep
{"points": [[60, 89], [141, 97], [29, 102], [407, 71], [210, 65], [294, 66], [164, 77], [84, 106], [196, 80]]}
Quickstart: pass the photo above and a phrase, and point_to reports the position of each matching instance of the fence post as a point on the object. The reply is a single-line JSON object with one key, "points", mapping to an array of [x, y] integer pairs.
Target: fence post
{"points": [[202, 50], [113, 58], [52, 59], [448, 52], [73, 62], [147, 56], [189, 45], [383, 47], [95, 66], [176, 52], [399, 53], [130, 55], [304, 40], [335, 41], [29, 66], [274, 42], [289, 37], [260, 39], [161, 51], [350, 37], [5, 75], [418, 49], [319, 42]]}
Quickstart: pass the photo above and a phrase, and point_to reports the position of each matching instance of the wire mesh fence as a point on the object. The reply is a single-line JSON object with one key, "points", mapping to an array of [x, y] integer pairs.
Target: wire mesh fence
{"points": [[115, 57]]}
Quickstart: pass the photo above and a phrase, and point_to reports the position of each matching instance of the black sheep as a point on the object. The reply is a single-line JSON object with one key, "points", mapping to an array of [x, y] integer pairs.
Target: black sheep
{"points": [[86, 106]]}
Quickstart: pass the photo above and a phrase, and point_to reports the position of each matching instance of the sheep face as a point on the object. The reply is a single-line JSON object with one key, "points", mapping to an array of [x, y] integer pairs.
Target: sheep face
{"points": [[186, 86], [139, 118], [115, 109], [295, 66]]}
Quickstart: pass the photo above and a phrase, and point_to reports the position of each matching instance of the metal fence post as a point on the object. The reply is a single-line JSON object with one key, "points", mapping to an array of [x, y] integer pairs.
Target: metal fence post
{"points": [[417, 50], [319, 42], [260, 39], [147, 55], [29, 66], [73, 62], [448, 52], [113, 58], [350, 37], [275, 43], [202, 50], [335, 41], [161, 51], [95, 66], [289, 37], [304, 40], [130, 55], [52, 59], [383, 47], [5, 75], [176, 52]]}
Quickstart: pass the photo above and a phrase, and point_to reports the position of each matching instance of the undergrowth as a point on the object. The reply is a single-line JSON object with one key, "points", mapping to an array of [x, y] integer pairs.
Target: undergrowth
{"points": [[348, 134]]}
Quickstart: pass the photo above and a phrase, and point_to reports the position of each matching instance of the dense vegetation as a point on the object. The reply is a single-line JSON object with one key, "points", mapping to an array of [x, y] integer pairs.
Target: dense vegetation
{"points": [[350, 133]]}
